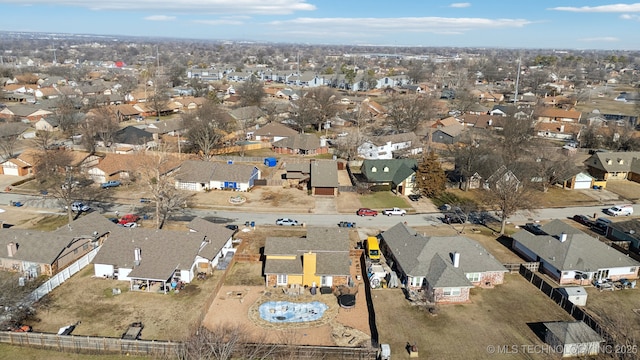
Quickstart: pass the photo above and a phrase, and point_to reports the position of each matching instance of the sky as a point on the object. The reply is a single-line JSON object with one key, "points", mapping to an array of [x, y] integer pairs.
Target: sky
{"points": [[549, 24]]}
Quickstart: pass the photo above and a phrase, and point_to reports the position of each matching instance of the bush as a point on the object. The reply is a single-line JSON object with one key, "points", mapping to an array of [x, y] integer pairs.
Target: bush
{"points": [[378, 188]]}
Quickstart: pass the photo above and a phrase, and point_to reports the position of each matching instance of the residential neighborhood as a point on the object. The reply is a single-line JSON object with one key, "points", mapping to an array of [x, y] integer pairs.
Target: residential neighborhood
{"points": [[227, 190]]}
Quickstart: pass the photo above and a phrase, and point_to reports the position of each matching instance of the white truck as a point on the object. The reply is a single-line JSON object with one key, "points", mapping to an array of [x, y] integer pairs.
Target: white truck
{"points": [[620, 210], [394, 211]]}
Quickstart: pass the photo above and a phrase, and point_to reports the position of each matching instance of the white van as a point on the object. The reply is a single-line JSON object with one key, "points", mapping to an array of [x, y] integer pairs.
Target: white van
{"points": [[620, 210]]}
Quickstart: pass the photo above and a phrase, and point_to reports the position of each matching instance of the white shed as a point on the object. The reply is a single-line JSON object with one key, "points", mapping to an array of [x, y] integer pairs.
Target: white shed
{"points": [[576, 294]]}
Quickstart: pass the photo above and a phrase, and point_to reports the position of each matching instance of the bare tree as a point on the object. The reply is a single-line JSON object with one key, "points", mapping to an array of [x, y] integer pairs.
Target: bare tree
{"points": [[508, 194], [251, 91], [405, 112], [206, 128], [9, 137], [43, 140], [166, 197], [548, 166], [67, 113], [470, 154], [103, 123]]}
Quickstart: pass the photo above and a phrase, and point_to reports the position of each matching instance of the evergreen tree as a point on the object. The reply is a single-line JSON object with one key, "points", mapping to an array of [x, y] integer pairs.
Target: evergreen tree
{"points": [[430, 178]]}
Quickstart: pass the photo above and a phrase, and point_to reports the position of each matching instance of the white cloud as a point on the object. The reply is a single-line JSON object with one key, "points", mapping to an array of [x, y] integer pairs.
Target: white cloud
{"points": [[160, 18], [613, 8], [219, 22], [630, 17], [460, 5], [187, 6], [600, 39]]}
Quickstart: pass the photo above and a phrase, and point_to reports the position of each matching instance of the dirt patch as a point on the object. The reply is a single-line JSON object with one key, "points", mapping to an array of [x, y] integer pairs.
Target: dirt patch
{"points": [[91, 301]]}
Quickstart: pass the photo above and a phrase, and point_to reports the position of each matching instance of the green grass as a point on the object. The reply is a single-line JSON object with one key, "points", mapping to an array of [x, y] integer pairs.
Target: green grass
{"points": [[383, 200], [18, 352]]}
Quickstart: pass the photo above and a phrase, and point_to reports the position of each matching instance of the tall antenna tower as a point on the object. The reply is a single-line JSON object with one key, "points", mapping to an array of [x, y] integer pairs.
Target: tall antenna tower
{"points": [[515, 99]]}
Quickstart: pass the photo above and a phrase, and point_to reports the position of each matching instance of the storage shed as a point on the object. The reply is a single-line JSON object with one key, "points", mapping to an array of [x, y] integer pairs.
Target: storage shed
{"points": [[576, 294], [270, 161]]}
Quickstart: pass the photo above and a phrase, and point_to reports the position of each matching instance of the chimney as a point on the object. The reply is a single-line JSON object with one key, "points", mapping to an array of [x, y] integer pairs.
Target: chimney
{"points": [[490, 122], [12, 248], [562, 128], [137, 256], [563, 237], [456, 259]]}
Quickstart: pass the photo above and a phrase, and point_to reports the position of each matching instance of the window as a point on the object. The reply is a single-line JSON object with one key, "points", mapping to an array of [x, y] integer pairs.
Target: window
{"points": [[451, 291], [386, 169], [374, 169], [281, 279], [473, 277], [416, 281], [632, 270]]}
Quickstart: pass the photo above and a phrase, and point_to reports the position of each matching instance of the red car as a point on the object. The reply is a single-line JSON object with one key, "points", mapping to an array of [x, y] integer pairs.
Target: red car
{"points": [[128, 218], [366, 212]]}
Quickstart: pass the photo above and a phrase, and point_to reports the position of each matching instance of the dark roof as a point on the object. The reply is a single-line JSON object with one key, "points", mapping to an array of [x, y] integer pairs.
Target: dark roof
{"points": [[275, 129], [133, 136], [578, 252], [395, 169], [573, 332], [217, 236]]}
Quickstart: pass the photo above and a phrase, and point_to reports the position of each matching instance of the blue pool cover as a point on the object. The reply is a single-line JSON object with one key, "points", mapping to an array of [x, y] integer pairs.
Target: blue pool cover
{"points": [[287, 312]]}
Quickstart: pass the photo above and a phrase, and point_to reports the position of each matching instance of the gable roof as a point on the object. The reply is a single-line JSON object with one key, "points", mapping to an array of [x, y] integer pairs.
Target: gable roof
{"points": [[578, 252], [216, 236], [324, 173], [162, 251], [275, 129], [205, 171], [396, 169], [619, 161], [555, 113], [131, 135], [299, 141], [573, 332], [419, 255]]}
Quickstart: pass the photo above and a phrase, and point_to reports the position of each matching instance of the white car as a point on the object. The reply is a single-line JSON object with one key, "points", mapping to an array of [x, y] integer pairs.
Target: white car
{"points": [[78, 206], [394, 211], [287, 222]]}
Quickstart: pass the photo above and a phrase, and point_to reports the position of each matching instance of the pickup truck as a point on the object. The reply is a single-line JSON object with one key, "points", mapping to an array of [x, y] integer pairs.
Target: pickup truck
{"points": [[110, 184], [394, 211]]}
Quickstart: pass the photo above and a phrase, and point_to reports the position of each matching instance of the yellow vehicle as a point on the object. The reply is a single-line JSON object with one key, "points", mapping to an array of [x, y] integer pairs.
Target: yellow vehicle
{"points": [[373, 248]]}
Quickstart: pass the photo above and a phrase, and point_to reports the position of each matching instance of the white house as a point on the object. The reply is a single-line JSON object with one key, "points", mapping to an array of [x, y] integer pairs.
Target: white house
{"points": [[382, 147], [197, 175], [570, 256]]}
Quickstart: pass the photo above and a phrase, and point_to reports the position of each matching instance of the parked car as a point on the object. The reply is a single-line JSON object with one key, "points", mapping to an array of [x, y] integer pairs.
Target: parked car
{"points": [[394, 211], [110, 184], [128, 218], [130, 225], [453, 218], [366, 212], [583, 219], [347, 224], [617, 210], [78, 206], [287, 222], [415, 197]]}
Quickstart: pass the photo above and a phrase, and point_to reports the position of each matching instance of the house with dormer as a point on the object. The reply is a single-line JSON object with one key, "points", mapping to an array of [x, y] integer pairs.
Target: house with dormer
{"points": [[398, 174], [618, 165]]}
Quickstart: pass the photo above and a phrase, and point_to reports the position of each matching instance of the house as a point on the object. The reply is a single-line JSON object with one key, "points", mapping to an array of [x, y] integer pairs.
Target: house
{"points": [[297, 172], [324, 177], [383, 147], [614, 165], [219, 243], [196, 175], [155, 260], [320, 258], [49, 123], [575, 338], [301, 144], [36, 253], [555, 114], [445, 268], [189, 103], [628, 230], [25, 163], [556, 130], [248, 115], [171, 127], [581, 180], [273, 132], [133, 138], [570, 256], [30, 113], [447, 134], [398, 174], [502, 177], [128, 166]]}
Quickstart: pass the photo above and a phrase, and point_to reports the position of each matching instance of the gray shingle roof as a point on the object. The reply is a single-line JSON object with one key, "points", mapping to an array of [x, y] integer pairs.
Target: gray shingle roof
{"points": [[216, 234], [299, 141], [275, 129], [324, 173], [205, 171], [396, 168], [579, 252], [573, 332], [612, 161], [163, 251], [432, 257]]}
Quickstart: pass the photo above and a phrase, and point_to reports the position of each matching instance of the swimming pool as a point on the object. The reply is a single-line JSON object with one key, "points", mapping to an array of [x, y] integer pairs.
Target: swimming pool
{"points": [[288, 312]]}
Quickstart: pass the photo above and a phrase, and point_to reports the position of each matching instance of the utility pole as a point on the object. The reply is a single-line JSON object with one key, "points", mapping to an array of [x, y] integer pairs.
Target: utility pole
{"points": [[515, 100]]}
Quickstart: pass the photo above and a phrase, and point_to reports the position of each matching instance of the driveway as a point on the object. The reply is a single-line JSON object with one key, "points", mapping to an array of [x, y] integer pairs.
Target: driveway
{"points": [[325, 205], [604, 196]]}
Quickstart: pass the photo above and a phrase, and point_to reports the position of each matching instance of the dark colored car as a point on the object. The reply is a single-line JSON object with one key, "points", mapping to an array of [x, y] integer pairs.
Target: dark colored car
{"points": [[347, 224], [366, 212], [415, 197], [582, 219], [453, 218]]}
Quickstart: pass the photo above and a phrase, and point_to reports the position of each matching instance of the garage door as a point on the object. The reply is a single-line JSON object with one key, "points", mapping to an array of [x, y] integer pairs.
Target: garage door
{"points": [[10, 170], [582, 185], [324, 191]]}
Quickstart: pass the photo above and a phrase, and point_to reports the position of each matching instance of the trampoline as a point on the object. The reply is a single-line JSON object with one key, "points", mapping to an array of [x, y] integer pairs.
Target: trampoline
{"points": [[347, 301]]}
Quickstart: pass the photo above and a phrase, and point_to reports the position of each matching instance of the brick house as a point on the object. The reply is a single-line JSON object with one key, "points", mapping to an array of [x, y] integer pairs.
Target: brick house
{"points": [[321, 258], [301, 144], [442, 268]]}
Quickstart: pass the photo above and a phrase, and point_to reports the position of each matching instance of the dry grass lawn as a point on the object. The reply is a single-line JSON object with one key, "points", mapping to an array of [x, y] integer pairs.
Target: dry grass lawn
{"points": [[498, 316], [625, 189], [91, 301]]}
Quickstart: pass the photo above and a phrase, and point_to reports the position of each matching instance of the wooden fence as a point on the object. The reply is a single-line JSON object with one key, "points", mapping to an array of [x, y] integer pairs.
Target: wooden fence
{"points": [[240, 148], [559, 298]]}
